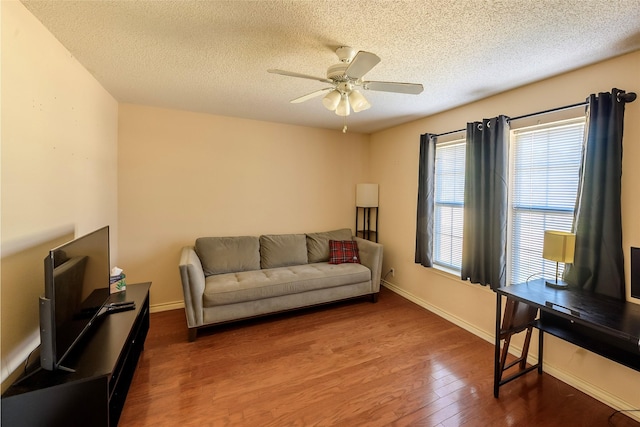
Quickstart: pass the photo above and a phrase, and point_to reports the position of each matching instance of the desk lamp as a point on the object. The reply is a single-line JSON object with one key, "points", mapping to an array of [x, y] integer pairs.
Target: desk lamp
{"points": [[559, 246]]}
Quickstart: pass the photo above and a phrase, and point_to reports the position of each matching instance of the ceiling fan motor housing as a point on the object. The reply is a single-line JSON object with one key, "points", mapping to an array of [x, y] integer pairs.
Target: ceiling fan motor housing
{"points": [[345, 53], [344, 87], [337, 72]]}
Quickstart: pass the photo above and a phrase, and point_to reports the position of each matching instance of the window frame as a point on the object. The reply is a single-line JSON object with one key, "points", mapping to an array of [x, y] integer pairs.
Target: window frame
{"points": [[551, 123], [438, 264], [553, 120]]}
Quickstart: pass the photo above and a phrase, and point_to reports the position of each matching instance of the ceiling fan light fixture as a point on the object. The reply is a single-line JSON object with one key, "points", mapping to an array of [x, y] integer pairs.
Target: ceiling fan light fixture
{"points": [[358, 101], [331, 100], [344, 77], [343, 108]]}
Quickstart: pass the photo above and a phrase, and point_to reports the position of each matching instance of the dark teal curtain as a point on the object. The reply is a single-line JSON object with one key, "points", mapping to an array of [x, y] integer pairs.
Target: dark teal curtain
{"points": [[599, 259], [484, 244], [424, 221]]}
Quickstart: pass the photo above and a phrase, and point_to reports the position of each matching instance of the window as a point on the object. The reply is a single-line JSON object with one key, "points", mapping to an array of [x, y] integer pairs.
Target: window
{"points": [[448, 204], [545, 165]]}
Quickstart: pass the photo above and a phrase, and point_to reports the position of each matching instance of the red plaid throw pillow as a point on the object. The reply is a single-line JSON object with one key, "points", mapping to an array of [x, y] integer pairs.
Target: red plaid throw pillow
{"points": [[341, 251]]}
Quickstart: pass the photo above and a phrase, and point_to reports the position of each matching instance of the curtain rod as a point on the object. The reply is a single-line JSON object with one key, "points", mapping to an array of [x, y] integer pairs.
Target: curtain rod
{"points": [[450, 132], [552, 110], [626, 97], [524, 116]]}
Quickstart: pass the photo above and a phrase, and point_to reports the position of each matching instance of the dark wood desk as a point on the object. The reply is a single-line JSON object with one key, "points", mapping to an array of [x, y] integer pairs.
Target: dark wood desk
{"points": [[605, 326]]}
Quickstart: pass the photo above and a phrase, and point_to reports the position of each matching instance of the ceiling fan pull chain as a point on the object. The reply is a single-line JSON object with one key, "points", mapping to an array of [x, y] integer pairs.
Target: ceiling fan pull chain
{"points": [[344, 129]]}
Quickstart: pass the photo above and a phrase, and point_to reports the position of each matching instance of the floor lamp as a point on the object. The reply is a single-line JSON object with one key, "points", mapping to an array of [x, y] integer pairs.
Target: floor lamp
{"points": [[367, 199]]}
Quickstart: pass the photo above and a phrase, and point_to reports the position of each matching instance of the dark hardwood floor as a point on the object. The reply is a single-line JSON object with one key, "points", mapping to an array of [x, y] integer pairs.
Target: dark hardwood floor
{"points": [[347, 364]]}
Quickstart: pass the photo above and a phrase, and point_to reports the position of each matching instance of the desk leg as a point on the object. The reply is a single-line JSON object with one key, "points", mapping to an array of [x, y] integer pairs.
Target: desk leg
{"points": [[540, 349], [496, 362]]}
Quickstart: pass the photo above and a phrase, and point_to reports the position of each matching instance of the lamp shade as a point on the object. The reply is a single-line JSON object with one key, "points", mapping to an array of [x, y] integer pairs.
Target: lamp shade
{"points": [[330, 101], [343, 108], [559, 246], [358, 101], [367, 195]]}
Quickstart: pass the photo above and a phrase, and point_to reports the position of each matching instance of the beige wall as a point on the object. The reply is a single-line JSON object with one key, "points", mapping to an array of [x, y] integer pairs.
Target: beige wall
{"points": [[161, 178], [59, 167], [183, 175], [394, 166]]}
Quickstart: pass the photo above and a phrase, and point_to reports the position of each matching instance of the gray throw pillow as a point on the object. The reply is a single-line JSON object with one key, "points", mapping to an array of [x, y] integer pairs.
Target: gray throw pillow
{"points": [[228, 254], [318, 243], [281, 250]]}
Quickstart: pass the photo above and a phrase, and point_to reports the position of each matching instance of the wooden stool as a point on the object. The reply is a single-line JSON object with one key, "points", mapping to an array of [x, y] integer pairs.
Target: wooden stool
{"points": [[518, 317]]}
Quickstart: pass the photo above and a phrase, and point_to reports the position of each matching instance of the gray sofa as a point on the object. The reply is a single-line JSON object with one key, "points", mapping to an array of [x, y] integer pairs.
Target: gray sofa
{"points": [[231, 278]]}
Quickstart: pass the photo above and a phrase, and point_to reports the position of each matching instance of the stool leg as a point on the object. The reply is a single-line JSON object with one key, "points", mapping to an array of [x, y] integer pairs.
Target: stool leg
{"points": [[503, 356], [525, 348]]}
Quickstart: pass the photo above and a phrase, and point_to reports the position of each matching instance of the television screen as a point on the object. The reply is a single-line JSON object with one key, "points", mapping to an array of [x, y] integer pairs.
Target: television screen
{"points": [[76, 287]]}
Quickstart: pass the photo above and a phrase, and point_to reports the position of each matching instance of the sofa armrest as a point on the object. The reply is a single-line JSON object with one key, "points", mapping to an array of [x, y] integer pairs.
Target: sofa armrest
{"points": [[192, 277], [371, 257]]}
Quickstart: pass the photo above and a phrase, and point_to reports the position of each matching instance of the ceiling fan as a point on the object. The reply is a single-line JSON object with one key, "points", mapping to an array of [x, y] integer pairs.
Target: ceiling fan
{"points": [[345, 79]]}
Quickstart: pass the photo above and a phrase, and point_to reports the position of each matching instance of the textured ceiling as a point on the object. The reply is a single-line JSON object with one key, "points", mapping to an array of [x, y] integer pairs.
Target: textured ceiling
{"points": [[213, 56]]}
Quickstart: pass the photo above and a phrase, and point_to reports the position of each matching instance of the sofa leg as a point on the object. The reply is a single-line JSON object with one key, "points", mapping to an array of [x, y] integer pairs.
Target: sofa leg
{"points": [[374, 297], [193, 332]]}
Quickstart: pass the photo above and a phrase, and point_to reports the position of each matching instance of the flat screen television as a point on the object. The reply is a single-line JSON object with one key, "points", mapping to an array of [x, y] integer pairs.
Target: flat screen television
{"points": [[76, 289]]}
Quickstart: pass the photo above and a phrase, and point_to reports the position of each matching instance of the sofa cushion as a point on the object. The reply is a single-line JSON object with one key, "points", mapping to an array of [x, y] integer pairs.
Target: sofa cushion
{"points": [[318, 243], [281, 250], [254, 285], [228, 254], [341, 251]]}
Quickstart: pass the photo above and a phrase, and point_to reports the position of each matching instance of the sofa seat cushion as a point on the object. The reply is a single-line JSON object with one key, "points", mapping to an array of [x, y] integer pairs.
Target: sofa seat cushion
{"points": [[244, 286]]}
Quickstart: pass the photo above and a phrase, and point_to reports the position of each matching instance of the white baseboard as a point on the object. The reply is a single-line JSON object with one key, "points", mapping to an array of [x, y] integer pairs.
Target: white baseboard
{"points": [[157, 308], [576, 382], [445, 315], [593, 391]]}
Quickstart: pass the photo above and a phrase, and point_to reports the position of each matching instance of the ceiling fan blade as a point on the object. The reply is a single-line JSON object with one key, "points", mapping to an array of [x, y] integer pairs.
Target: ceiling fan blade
{"points": [[302, 76], [409, 88], [361, 64], [311, 95]]}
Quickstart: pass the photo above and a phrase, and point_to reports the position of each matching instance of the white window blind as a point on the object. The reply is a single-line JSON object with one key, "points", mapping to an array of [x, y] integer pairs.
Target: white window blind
{"points": [[544, 183], [449, 204]]}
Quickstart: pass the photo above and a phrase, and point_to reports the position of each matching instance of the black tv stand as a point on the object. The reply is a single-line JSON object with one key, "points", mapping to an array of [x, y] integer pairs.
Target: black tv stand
{"points": [[104, 365]]}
